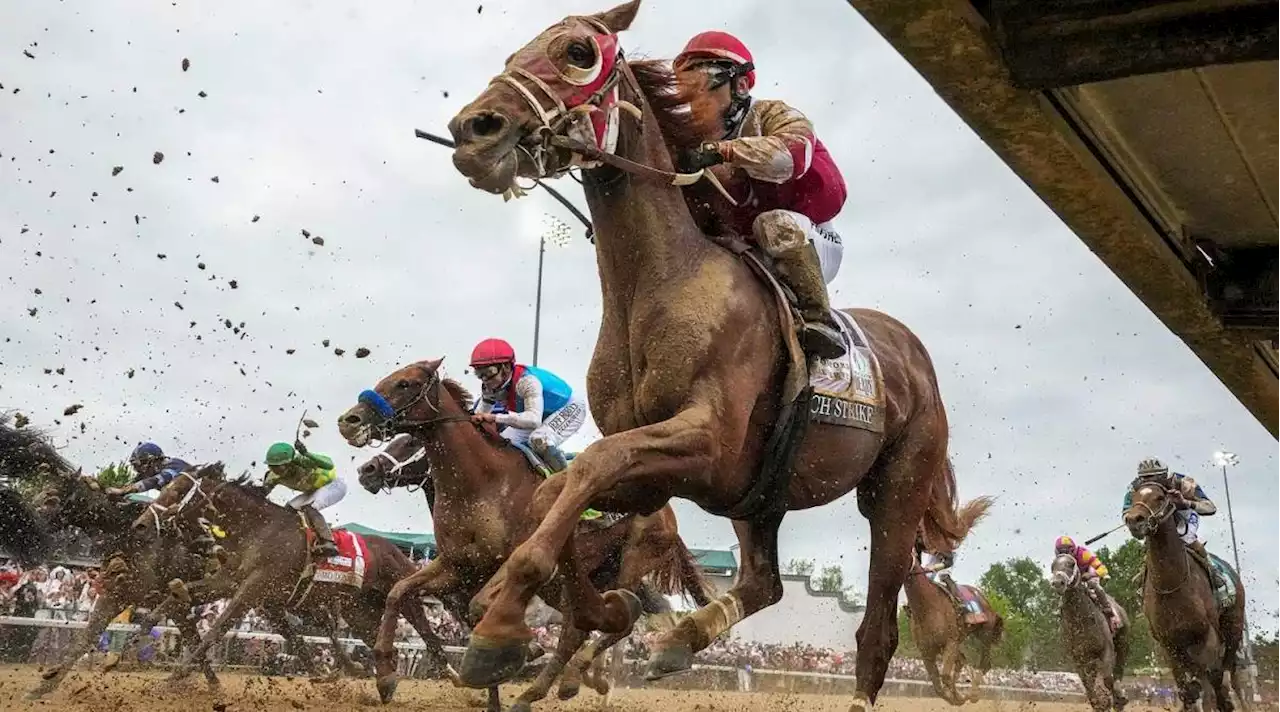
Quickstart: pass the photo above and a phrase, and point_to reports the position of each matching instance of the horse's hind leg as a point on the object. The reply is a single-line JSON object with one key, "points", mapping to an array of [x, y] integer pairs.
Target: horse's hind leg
{"points": [[952, 661], [935, 676], [893, 497], [759, 586]]}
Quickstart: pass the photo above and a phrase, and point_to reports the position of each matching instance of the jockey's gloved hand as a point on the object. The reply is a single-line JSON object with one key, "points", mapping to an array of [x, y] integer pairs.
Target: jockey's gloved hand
{"points": [[704, 156]]}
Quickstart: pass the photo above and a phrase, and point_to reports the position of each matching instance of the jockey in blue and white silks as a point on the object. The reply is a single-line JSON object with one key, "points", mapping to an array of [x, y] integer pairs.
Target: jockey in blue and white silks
{"points": [[542, 410], [154, 470]]}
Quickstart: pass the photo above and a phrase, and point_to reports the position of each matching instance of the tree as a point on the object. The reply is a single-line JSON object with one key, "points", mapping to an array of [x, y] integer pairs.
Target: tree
{"points": [[831, 579], [117, 474], [799, 567], [1266, 654]]}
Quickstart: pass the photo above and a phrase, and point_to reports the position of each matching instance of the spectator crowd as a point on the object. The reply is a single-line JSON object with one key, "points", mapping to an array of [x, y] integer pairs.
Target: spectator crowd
{"points": [[62, 593]]}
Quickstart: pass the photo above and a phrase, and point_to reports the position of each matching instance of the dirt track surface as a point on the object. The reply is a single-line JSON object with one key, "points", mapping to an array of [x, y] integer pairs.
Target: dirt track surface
{"points": [[85, 691]]}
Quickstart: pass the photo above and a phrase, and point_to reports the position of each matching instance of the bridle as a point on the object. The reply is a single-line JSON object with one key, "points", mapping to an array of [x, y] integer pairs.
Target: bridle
{"points": [[595, 91], [395, 419], [1074, 578], [172, 511], [1156, 518], [389, 477]]}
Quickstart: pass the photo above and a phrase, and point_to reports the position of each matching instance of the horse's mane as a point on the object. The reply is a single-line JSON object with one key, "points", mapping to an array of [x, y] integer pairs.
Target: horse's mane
{"points": [[684, 117], [460, 393], [670, 103]]}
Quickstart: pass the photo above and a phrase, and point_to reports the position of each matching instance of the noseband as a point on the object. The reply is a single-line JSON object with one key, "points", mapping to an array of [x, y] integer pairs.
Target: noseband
{"points": [[396, 420]]}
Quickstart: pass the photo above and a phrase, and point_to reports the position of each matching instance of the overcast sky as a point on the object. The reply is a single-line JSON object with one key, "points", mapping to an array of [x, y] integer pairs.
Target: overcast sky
{"points": [[1056, 378]]}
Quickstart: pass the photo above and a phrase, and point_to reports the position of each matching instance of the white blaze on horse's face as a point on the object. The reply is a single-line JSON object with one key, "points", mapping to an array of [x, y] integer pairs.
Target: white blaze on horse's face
{"points": [[551, 86]]}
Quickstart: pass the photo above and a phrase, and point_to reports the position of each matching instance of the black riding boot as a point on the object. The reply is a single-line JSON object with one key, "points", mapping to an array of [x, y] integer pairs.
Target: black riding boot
{"points": [[324, 546]]}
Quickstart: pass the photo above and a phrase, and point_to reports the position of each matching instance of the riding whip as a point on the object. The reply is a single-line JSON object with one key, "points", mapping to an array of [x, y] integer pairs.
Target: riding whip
{"points": [[441, 140], [1104, 534]]}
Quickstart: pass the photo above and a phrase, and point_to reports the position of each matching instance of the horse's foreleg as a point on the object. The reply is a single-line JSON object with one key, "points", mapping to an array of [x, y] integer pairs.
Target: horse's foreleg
{"points": [[114, 600], [652, 455], [431, 580], [411, 609], [759, 586], [251, 590], [570, 640], [190, 633]]}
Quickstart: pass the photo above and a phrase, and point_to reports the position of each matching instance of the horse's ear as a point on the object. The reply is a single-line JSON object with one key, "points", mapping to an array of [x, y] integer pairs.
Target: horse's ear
{"points": [[432, 365], [619, 18]]}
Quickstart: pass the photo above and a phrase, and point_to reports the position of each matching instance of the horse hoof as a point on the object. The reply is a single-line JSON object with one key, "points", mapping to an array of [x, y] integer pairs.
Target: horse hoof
{"points": [[486, 664], [567, 691], [627, 599], [535, 651], [860, 704], [669, 661], [520, 706], [386, 688]]}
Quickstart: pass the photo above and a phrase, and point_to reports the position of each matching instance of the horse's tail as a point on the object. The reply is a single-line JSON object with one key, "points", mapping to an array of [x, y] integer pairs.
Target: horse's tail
{"points": [[945, 524], [680, 574]]}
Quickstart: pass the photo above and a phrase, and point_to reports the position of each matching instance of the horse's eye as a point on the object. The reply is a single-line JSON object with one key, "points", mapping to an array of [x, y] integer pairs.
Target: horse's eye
{"points": [[581, 55], [402, 384]]}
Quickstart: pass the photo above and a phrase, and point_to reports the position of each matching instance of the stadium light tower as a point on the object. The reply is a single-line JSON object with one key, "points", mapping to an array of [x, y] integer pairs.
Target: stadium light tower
{"points": [[558, 234], [1224, 460]]}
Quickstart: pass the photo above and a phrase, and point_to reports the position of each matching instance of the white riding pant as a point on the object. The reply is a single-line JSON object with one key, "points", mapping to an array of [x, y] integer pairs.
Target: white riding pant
{"points": [[557, 428], [326, 496], [779, 230], [1188, 523]]}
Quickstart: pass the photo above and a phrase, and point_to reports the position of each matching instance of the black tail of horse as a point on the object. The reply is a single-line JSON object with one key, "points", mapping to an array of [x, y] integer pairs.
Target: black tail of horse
{"points": [[21, 534]]}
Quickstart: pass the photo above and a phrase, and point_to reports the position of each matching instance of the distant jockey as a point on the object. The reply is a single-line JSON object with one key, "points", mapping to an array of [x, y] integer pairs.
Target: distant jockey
{"points": [[1192, 503], [794, 187], [314, 476], [1093, 572], [153, 470], [938, 564], [540, 408]]}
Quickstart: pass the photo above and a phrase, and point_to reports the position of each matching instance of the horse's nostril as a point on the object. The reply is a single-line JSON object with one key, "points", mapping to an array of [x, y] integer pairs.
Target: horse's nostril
{"points": [[486, 123], [352, 419]]}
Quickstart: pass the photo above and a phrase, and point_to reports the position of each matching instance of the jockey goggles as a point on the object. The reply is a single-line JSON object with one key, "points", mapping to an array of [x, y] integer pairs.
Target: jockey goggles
{"points": [[485, 373]]}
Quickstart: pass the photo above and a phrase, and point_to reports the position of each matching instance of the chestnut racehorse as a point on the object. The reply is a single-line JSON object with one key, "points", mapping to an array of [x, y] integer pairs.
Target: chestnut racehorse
{"points": [[687, 374]]}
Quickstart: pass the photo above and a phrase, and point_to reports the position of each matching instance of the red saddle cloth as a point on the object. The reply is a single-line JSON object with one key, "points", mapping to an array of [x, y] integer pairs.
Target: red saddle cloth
{"points": [[348, 567]]}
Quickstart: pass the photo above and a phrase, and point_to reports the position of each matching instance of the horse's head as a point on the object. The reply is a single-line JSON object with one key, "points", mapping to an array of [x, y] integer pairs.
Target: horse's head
{"points": [[408, 399], [563, 83], [1151, 501], [401, 463], [1064, 573], [187, 495]]}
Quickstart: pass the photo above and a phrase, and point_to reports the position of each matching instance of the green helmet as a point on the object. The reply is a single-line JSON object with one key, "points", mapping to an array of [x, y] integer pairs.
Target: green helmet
{"points": [[280, 454]]}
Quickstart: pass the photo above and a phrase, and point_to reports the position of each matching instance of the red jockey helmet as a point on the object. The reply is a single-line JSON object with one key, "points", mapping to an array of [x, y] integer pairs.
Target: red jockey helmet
{"points": [[491, 351], [722, 46]]}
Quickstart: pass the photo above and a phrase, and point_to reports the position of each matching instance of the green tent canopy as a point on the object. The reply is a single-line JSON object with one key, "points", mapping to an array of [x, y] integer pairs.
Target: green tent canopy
{"points": [[410, 542]]}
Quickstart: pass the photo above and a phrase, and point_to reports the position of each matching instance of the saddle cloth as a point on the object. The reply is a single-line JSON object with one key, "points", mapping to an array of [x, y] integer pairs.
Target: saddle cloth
{"points": [[1225, 595], [971, 602], [848, 391], [348, 567]]}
